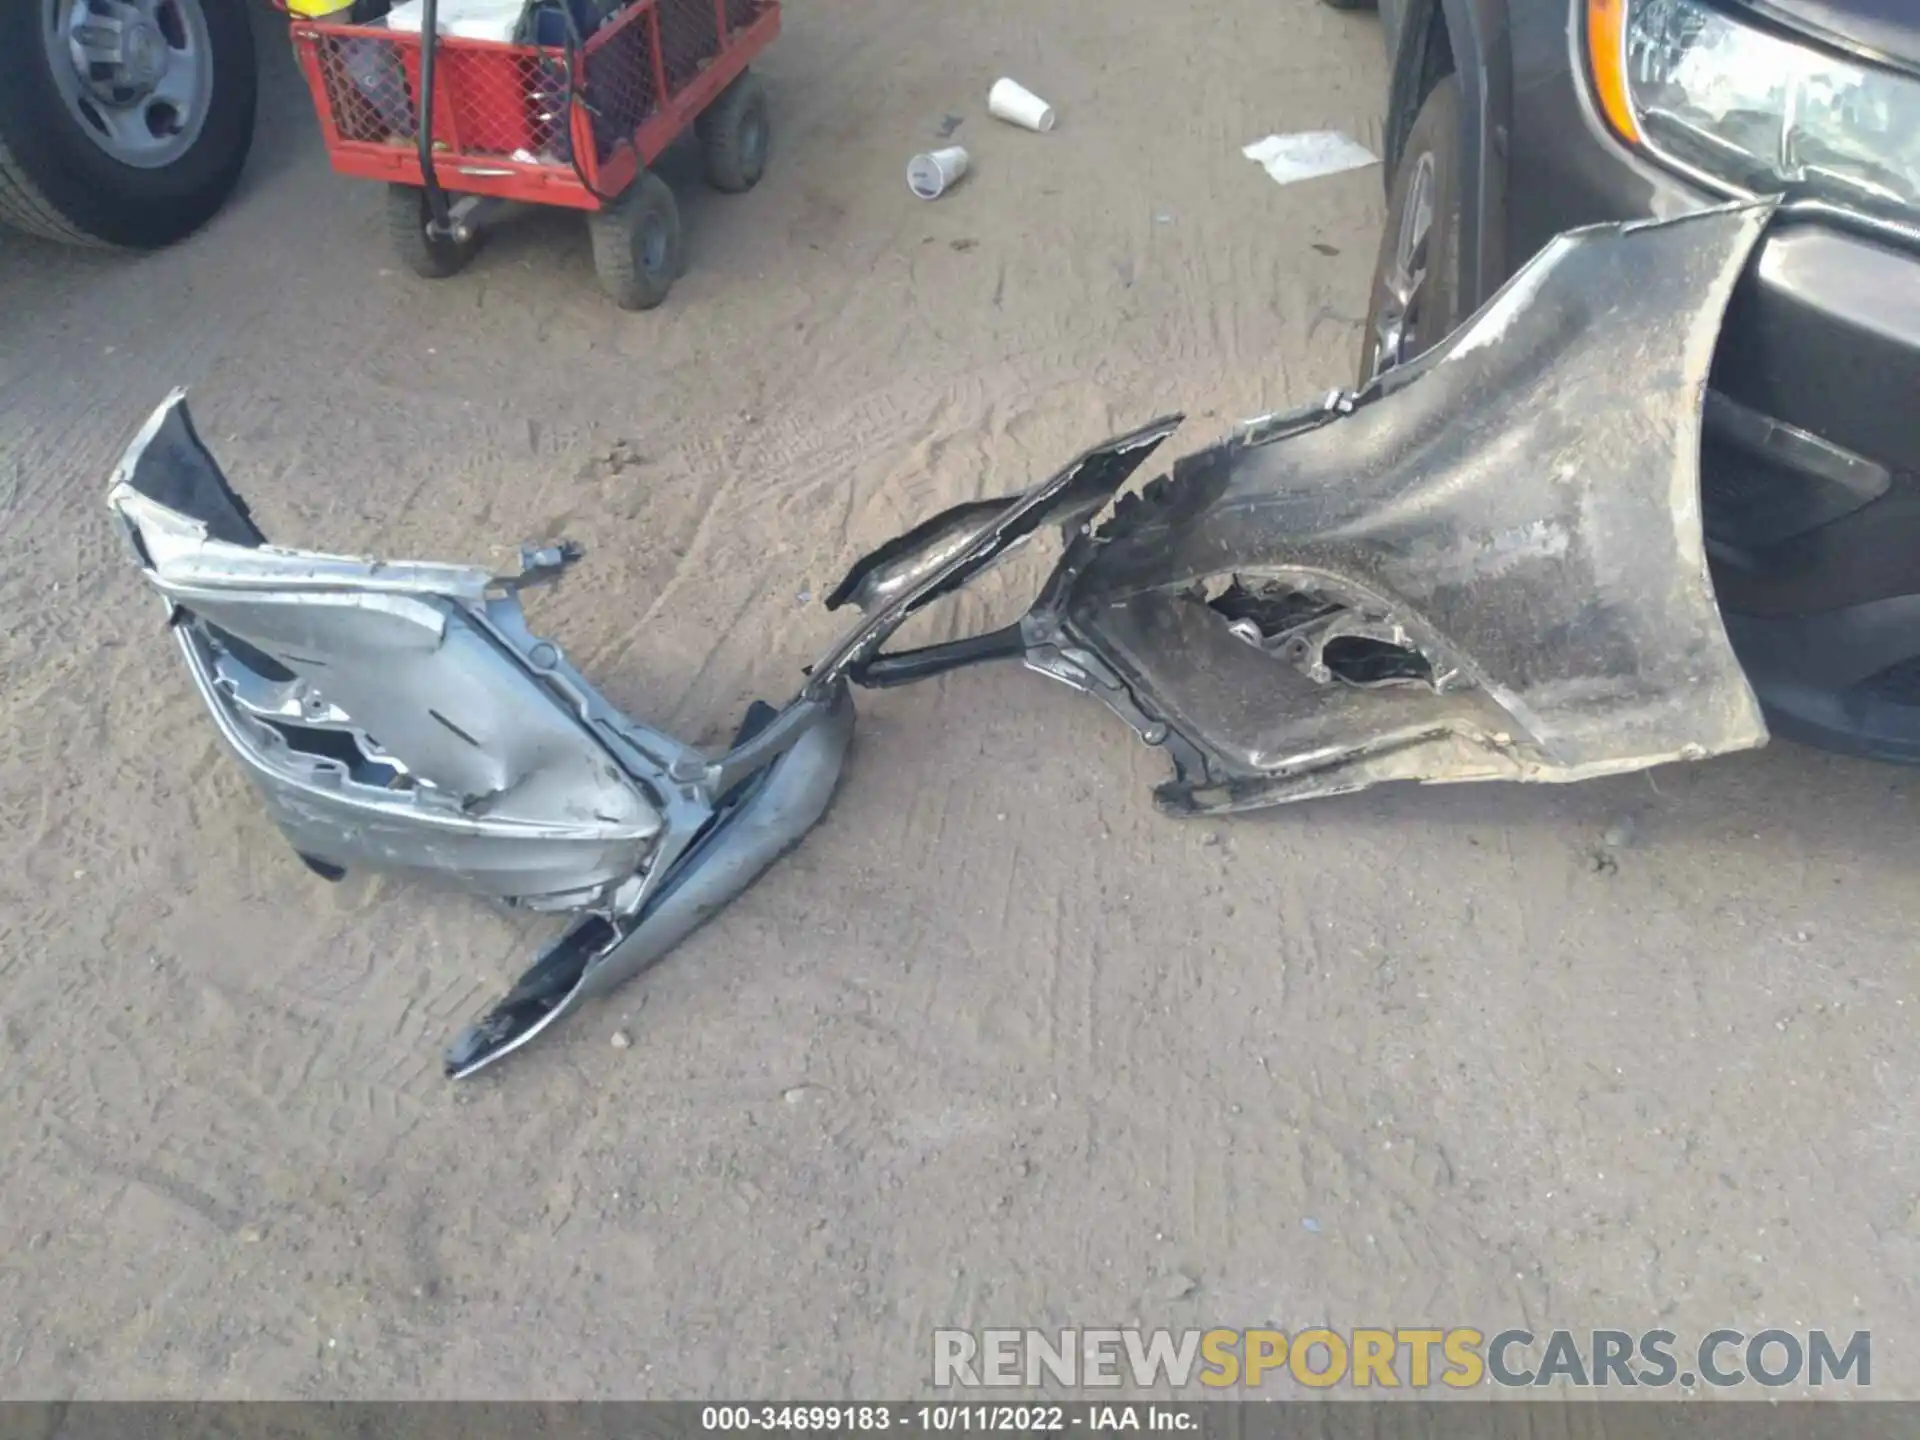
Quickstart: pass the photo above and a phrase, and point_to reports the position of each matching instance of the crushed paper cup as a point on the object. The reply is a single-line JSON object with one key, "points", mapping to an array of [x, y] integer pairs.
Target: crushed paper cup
{"points": [[1308, 155]]}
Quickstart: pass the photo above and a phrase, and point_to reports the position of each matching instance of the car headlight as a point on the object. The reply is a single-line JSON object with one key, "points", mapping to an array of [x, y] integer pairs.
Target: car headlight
{"points": [[1752, 108]]}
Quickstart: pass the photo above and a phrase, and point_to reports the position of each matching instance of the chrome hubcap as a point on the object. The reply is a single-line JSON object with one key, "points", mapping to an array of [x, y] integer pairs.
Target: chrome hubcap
{"points": [[136, 74], [1396, 334]]}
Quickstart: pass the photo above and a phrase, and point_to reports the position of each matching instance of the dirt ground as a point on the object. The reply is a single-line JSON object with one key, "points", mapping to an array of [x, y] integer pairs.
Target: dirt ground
{"points": [[998, 1044]]}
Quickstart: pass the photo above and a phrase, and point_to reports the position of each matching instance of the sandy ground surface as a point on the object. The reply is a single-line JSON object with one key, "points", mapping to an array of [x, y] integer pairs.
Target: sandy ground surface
{"points": [[998, 1045]]}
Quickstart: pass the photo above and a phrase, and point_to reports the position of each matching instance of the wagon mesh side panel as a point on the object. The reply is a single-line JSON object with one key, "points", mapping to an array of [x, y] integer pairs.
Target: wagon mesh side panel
{"points": [[489, 101], [508, 103], [689, 38], [742, 13], [368, 93], [618, 84], [518, 103]]}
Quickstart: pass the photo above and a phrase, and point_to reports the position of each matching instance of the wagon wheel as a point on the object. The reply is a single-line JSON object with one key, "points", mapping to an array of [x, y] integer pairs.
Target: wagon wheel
{"points": [[636, 244], [427, 256], [735, 134]]}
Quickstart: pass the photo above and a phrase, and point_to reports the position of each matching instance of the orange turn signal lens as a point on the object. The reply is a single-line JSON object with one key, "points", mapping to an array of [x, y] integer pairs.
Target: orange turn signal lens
{"points": [[1607, 63]]}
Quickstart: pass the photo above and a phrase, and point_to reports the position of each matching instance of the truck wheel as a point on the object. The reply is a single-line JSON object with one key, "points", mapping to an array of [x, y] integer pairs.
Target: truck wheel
{"points": [[735, 134], [1416, 283], [122, 122], [636, 244]]}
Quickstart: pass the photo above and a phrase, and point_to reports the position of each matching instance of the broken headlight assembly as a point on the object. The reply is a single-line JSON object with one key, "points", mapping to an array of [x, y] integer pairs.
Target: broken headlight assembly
{"points": [[1747, 109], [1486, 565]]}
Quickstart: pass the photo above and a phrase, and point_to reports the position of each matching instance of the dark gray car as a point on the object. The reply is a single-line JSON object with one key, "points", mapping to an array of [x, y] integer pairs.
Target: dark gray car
{"points": [[1512, 120]]}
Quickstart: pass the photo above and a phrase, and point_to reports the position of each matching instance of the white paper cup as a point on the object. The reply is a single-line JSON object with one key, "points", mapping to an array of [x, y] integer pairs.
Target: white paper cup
{"points": [[1011, 101], [931, 175]]}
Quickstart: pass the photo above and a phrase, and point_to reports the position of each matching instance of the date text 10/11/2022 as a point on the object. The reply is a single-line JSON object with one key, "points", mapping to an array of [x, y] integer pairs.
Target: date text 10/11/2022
{"points": [[939, 1419]]}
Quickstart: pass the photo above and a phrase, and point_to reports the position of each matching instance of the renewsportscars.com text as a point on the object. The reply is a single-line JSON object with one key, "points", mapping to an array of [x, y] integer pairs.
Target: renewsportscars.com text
{"points": [[1459, 1358]]}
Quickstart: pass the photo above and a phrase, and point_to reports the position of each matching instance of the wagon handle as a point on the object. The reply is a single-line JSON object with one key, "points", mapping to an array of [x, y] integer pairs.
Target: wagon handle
{"points": [[440, 219]]}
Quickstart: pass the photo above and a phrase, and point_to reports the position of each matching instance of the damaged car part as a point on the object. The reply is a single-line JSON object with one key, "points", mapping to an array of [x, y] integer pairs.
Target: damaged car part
{"points": [[402, 717], [1486, 565]]}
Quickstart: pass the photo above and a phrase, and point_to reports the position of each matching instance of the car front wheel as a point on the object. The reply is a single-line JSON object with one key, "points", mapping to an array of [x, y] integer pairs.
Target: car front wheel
{"points": [[122, 122], [1416, 283]]}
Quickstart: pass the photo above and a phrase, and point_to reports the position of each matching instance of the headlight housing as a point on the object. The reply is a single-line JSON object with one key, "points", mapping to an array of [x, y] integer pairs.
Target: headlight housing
{"points": [[1755, 110]]}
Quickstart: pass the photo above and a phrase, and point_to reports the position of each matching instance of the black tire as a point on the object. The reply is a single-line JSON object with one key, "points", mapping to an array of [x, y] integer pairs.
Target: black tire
{"points": [[1434, 145], [407, 216], [735, 135], [57, 183], [636, 244]]}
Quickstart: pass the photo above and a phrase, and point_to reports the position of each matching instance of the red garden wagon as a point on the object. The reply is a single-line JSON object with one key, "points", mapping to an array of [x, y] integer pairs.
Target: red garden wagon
{"points": [[571, 112]]}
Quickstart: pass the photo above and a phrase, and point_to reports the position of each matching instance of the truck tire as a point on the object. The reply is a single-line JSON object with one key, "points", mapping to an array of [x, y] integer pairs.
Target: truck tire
{"points": [[143, 144], [1416, 283]]}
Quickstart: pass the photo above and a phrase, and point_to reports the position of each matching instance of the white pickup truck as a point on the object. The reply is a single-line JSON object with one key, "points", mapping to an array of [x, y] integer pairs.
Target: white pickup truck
{"points": [[122, 122]]}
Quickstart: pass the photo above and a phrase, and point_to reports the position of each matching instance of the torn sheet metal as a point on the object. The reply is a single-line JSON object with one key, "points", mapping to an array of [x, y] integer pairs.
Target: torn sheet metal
{"points": [[402, 717], [1486, 565]]}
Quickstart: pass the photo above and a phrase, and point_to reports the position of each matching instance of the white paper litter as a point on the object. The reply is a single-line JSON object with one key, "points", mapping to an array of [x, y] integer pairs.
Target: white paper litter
{"points": [[1308, 155], [467, 19]]}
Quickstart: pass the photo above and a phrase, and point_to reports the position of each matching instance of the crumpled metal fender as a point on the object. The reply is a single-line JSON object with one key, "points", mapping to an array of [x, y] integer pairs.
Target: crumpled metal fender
{"points": [[1487, 565]]}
